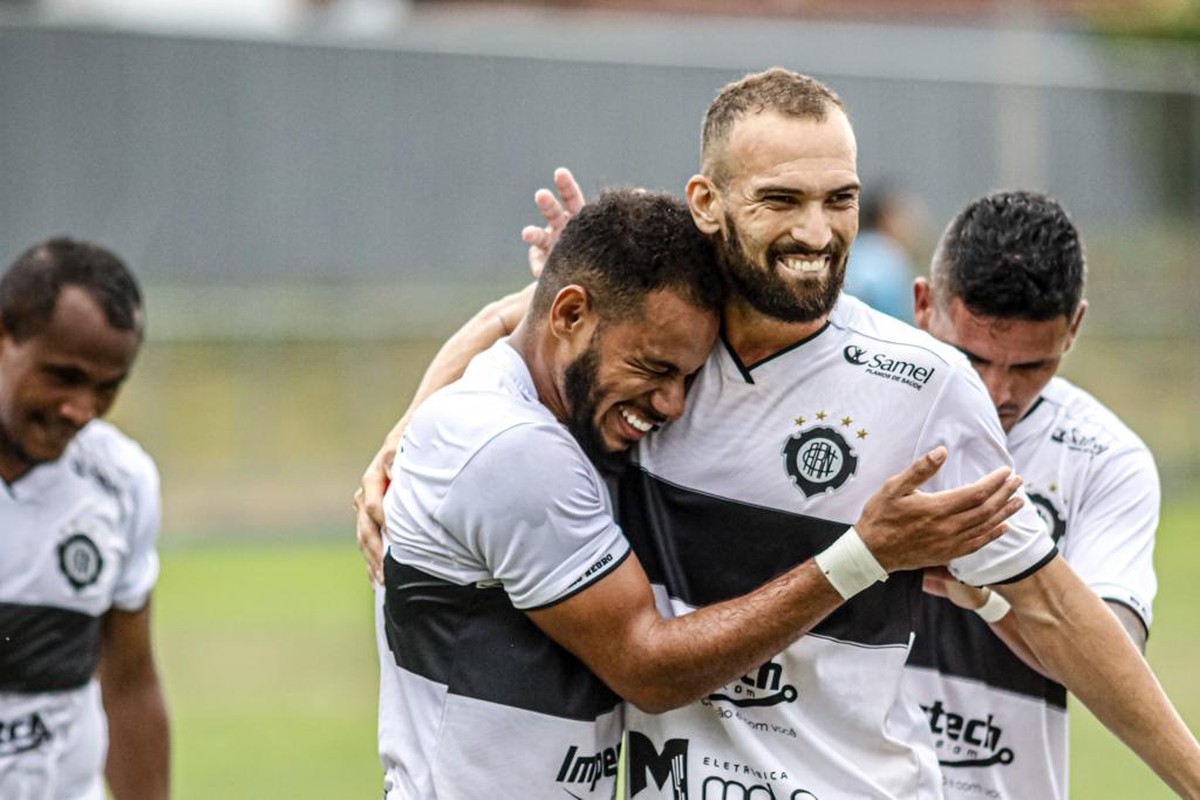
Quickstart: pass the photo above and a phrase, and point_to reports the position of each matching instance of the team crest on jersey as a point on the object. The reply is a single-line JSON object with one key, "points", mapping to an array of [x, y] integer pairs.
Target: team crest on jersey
{"points": [[818, 460], [1055, 523], [80, 560]]}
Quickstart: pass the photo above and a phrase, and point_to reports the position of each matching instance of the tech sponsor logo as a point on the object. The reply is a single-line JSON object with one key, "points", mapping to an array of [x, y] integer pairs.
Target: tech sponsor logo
{"points": [[881, 365], [1053, 520], [652, 770], [23, 734], [818, 460], [962, 741], [1078, 441], [764, 687], [582, 770]]}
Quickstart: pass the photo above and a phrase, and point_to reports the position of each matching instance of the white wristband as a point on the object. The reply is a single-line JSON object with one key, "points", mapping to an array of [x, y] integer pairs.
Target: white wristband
{"points": [[994, 609], [849, 565]]}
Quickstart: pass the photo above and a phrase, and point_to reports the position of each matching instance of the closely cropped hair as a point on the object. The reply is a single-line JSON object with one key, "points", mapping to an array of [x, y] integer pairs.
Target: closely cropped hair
{"points": [[30, 288], [780, 90], [1013, 255], [625, 245]]}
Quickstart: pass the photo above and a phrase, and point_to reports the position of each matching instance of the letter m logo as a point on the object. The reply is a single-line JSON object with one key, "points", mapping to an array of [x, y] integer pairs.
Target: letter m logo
{"points": [[647, 763]]}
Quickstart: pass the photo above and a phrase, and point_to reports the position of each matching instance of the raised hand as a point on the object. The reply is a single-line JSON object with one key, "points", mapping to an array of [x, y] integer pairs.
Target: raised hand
{"points": [[556, 211], [905, 528]]}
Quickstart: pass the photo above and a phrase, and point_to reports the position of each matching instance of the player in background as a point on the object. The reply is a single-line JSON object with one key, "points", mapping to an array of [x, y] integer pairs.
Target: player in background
{"points": [[1006, 288], [80, 515], [502, 543], [808, 399]]}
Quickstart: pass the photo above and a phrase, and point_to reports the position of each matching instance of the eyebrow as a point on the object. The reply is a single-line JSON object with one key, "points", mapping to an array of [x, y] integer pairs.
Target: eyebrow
{"points": [[982, 360], [773, 188]]}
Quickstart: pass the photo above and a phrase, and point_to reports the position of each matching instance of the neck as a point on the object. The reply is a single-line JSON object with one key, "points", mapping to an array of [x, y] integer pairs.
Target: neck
{"points": [[538, 357], [13, 463], [755, 336]]}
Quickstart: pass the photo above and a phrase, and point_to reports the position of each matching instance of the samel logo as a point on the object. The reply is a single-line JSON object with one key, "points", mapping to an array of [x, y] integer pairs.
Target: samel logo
{"points": [[882, 365]]}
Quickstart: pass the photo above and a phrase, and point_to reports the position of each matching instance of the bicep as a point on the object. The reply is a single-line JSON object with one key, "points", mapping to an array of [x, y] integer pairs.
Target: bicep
{"points": [[126, 657], [601, 624]]}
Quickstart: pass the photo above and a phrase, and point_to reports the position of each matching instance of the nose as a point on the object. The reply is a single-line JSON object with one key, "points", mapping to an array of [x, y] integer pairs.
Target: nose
{"points": [[81, 408], [667, 401], [998, 385], [811, 228]]}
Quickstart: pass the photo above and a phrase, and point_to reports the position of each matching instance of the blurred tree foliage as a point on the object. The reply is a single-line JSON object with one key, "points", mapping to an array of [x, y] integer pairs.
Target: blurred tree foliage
{"points": [[1173, 20]]}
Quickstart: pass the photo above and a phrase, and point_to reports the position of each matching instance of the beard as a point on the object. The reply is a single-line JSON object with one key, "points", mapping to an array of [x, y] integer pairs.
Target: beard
{"points": [[581, 387], [769, 293]]}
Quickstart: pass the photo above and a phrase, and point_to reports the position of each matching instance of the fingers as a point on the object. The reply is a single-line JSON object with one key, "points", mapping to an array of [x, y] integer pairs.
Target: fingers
{"points": [[568, 190], [917, 473], [988, 493], [555, 214], [370, 539]]}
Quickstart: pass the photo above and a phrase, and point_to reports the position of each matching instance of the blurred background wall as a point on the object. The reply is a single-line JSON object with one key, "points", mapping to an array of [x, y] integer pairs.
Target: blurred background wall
{"points": [[315, 194]]}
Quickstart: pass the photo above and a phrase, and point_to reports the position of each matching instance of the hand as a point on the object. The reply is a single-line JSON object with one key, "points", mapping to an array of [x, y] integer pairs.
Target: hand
{"points": [[557, 211], [368, 504], [908, 529], [938, 581]]}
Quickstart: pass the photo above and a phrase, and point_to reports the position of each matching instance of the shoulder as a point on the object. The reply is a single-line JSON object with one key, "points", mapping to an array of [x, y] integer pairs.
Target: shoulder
{"points": [[1084, 424], [854, 318], [104, 451]]}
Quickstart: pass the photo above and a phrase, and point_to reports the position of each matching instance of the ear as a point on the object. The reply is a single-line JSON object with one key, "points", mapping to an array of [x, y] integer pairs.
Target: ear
{"points": [[923, 303], [1075, 323], [704, 200], [573, 315]]}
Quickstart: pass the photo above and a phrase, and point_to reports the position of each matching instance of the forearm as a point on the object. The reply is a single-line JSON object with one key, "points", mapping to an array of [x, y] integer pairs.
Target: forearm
{"points": [[683, 659], [139, 743], [1081, 643], [493, 322]]}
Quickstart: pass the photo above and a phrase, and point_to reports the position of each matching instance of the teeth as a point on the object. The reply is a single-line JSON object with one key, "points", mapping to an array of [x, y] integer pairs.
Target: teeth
{"points": [[802, 264], [637, 422]]}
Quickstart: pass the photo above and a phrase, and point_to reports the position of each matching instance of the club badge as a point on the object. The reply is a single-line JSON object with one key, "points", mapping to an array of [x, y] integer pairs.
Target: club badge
{"points": [[818, 460], [80, 560], [1055, 524]]}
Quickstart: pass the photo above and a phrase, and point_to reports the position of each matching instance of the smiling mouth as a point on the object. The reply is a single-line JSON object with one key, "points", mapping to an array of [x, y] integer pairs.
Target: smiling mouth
{"points": [[636, 421], [807, 265]]}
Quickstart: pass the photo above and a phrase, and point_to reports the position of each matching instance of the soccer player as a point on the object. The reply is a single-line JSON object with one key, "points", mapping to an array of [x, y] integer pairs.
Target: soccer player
{"points": [[80, 514], [1006, 288], [803, 407], [514, 614]]}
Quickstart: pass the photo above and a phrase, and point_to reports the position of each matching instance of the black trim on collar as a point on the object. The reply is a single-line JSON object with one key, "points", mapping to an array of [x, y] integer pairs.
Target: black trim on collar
{"points": [[745, 370]]}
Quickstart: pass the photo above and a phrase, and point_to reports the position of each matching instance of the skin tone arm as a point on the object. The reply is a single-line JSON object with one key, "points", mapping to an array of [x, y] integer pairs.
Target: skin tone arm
{"points": [[139, 736], [493, 322], [939, 581], [1071, 631], [658, 664]]}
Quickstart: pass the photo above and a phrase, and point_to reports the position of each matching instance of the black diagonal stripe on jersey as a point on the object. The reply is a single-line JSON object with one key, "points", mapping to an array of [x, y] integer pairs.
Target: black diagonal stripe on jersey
{"points": [[474, 642], [957, 642], [706, 549], [46, 649]]}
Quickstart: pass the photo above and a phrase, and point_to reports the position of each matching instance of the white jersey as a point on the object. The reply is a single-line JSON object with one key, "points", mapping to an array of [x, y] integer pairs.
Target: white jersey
{"points": [[999, 727], [78, 540], [493, 511], [769, 465]]}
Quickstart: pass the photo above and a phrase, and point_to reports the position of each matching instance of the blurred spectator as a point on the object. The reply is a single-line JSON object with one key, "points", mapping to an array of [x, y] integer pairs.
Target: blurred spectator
{"points": [[880, 272]]}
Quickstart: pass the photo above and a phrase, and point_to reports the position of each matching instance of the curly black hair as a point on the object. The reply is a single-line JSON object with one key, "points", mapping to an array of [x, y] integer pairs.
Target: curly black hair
{"points": [[1012, 255], [626, 245]]}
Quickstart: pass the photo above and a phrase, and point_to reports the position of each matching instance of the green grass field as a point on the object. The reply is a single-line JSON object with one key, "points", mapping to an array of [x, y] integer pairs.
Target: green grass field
{"points": [[268, 658]]}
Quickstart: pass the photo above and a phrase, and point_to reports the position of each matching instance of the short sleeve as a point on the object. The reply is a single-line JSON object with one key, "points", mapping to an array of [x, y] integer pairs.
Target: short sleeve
{"points": [[1110, 538], [964, 420], [143, 516], [532, 508]]}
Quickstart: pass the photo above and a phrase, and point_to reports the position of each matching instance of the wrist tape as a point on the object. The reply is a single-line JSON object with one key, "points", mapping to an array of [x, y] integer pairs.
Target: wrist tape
{"points": [[849, 565], [995, 607]]}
